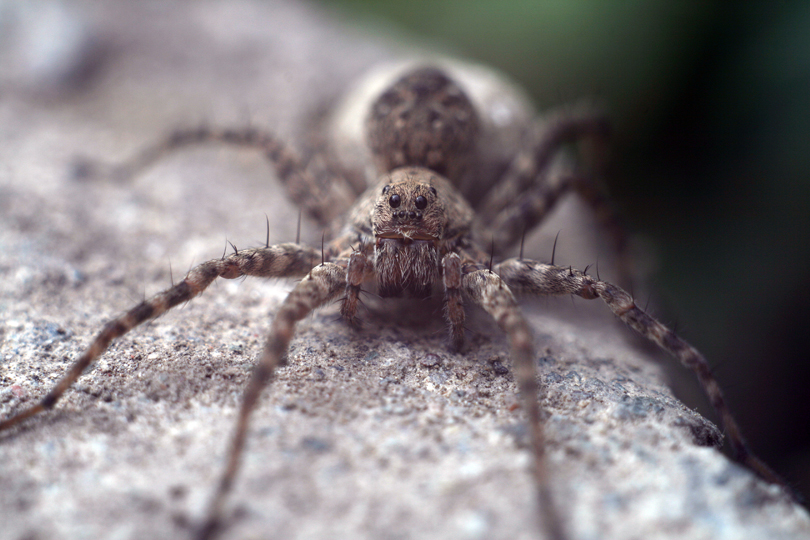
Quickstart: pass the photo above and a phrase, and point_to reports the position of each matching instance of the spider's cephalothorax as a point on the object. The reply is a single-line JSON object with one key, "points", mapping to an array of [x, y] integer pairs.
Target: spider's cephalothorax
{"points": [[414, 234], [408, 226], [411, 231]]}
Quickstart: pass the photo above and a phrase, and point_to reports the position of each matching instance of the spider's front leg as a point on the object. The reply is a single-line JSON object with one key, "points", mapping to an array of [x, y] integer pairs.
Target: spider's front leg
{"points": [[488, 290], [283, 260], [543, 279], [321, 285]]}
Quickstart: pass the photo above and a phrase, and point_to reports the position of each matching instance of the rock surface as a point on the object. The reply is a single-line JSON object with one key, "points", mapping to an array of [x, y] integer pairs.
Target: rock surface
{"points": [[381, 433]]}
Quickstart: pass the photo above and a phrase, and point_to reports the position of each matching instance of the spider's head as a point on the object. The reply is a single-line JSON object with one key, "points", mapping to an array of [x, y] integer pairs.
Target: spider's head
{"points": [[409, 222], [409, 207]]}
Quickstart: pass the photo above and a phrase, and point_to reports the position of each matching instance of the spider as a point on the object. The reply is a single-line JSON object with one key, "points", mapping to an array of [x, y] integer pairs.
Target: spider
{"points": [[414, 232]]}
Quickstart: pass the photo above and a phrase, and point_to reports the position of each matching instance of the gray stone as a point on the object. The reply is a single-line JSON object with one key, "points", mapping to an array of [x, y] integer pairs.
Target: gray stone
{"points": [[363, 434]]}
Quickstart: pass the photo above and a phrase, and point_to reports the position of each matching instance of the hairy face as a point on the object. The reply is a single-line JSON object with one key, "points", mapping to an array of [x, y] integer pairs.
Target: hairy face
{"points": [[409, 207], [409, 222]]}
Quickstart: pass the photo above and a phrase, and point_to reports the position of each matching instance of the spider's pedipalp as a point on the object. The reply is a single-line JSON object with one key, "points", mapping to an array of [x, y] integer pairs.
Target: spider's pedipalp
{"points": [[356, 273], [283, 260], [454, 304], [321, 285]]}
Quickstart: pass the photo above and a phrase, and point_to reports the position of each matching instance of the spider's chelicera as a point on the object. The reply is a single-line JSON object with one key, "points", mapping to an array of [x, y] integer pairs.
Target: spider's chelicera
{"points": [[414, 234]]}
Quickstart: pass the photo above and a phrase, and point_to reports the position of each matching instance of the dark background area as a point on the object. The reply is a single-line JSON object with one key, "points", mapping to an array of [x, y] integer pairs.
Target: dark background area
{"points": [[710, 167]]}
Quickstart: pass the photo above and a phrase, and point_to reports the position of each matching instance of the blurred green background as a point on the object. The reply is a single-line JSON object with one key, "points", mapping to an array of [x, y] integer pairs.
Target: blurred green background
{"points": [[711, 162]]}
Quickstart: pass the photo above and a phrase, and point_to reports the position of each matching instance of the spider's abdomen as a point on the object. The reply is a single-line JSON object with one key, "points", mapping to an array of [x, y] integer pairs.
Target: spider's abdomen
{"points": [[424, 119], [405, 267]]}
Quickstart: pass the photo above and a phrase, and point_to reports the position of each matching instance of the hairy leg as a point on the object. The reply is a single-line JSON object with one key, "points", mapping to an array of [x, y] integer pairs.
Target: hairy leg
{"points": [[453, 302], [528, 210], [491, 293], [530, 166], [283, 260], [320, 286], [543, 279], [356, 273], [322, 200], [538, 177]]}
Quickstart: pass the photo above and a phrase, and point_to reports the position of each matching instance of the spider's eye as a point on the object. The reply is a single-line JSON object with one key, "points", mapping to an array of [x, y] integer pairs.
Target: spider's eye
{"points": [[394, 201], [421, 202], [385, 189], [433, 190]]}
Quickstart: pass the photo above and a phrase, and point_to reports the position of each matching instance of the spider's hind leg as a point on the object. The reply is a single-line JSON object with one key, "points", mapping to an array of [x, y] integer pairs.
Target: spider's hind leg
{"points": [[541, 174], [322, 197]]}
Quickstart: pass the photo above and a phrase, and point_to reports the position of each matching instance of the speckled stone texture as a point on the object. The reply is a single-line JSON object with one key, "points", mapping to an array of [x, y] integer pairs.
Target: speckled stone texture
{"points": [[379, 434]]}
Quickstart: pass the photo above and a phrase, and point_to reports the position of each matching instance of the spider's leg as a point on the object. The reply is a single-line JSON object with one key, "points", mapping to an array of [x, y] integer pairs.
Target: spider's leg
{"points": [[453, 302], [540, 175], [356, 273], [553, 131], [283, 260], [492, 293], [321, 199], [529, 209], [542, 279], [321, 285]]}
